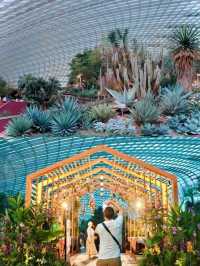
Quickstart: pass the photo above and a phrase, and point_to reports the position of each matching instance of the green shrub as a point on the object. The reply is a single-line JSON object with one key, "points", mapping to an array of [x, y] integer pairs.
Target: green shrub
{"points": [[174, 100], [175, 239], [102, 112], [146, 110], [41, 119], [39, 91], [87, 118], [28, 235], [19, 126], [89, 93]]}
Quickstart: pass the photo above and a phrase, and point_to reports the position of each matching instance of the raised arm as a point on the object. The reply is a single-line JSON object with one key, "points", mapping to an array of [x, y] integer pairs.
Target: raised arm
{"points": [[116, 205]]}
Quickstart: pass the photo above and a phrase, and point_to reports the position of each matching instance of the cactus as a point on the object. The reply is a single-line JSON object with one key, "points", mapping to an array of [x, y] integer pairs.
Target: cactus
{"points": [[125, 67]]}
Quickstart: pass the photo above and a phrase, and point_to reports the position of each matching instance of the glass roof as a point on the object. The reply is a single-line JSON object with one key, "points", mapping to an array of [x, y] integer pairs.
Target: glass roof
{"points": [[20, 157], [41, 37]]}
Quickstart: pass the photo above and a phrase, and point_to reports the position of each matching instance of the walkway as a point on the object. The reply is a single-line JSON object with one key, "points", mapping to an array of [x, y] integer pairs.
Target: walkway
{"points": [[82, 260]]}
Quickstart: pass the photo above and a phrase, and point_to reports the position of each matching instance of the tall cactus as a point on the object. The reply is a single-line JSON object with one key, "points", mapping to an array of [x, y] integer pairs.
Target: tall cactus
{"points": [[126, 67]]}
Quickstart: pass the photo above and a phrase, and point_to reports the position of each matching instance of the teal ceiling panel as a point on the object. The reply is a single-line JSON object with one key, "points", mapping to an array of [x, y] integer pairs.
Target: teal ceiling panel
{"points": [[22, 156]]}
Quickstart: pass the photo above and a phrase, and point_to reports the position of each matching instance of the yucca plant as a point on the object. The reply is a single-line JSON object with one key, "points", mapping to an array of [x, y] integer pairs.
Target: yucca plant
{"points": [[41, 119], [174, 100], [19, 126], [102, 112], [145, 110], [67, 117], [186, 41], [124, 98]]}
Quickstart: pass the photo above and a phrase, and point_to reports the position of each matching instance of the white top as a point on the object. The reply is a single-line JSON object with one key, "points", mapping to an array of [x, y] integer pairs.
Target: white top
{"points": [[90, 233], [108, 247]]}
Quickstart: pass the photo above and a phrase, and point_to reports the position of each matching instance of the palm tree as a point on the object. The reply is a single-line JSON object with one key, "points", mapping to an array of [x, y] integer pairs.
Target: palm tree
{"points": [[185, 51], [117, 37]]}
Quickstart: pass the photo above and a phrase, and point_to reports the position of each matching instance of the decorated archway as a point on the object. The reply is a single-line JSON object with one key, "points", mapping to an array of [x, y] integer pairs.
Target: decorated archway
{"points": [[140, 184]]}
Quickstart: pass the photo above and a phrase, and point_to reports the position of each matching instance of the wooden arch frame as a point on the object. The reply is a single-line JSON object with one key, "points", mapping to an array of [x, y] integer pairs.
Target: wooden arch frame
{"points": [[100, 148]]}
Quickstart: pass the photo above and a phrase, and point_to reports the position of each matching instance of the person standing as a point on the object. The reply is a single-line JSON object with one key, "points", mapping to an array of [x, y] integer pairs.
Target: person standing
{"points": [[90, 245], [110, 235]]}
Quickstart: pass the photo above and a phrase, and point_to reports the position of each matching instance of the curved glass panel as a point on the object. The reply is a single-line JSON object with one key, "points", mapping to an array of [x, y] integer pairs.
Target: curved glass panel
{"points": [[41, 37], [20, 157]]}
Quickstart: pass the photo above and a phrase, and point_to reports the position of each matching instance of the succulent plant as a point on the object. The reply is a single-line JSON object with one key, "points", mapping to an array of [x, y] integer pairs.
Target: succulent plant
{"points": [[64, 124], [154, 130], [174, 100], [191, 125], [145, 110], [70, 104], [102, 112], [19, 126], [175, 121], [186, 124], [67, 118], [41, 119], [124, 98], [194, 102], [116, 126], [87, 118]]}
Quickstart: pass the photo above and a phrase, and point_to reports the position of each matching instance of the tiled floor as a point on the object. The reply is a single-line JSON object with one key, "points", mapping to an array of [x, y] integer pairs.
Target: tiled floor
{"points": [[82, 260]]}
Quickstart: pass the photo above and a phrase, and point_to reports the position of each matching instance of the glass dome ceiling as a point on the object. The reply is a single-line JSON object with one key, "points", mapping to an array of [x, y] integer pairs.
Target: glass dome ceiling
{"points": [[41, 36]]}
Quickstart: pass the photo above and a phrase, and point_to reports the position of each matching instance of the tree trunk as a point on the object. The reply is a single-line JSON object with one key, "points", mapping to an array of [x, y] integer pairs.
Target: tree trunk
{"points": [[185, 80]]}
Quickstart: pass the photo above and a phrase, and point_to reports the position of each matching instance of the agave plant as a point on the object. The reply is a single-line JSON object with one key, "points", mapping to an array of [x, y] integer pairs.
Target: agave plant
{"points": [[174, 100], [186, 40], [41, 119], [64, 124], [19, 126], [102, 112], [70, 104], [125, 98], [66, 118], [145, 110]]}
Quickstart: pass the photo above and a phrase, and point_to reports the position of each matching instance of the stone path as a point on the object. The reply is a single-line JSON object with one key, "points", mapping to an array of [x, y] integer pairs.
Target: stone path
{"points": [[82, 260]]}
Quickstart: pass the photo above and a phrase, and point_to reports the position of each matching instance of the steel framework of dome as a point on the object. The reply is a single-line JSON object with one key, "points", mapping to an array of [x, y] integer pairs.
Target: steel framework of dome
{"points": [[21, 157], [41, 37]]}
